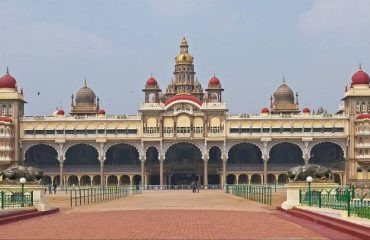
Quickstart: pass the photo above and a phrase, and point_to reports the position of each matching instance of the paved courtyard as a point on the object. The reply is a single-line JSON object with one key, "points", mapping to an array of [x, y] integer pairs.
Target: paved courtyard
{"points": [[167, 215]]}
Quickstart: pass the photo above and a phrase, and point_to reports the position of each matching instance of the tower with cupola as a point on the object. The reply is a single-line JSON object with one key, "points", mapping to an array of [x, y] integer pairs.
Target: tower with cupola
{"points": [[11, 110]]}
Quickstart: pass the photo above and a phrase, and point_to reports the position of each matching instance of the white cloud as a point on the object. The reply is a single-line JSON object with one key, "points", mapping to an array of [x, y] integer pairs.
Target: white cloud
{"points": [[340, 20]]}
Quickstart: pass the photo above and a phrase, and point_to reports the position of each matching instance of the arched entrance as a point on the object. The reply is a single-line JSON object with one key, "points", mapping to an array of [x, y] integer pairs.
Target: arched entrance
{"points": [[73, 180], [329, 155], [121, 157], [282, 179], [243, 179], [284, 156], [245, 156], [214, 165], [256, 179], [112, 180], [85, 181], [230, 179], [44, 157], [183, 161], [82, 158], [152, 165]]}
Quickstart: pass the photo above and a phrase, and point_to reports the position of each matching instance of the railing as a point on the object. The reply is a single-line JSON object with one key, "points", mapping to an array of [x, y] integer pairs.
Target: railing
{"points": [[180, 187], [261, 194], [11, 199], [83, 196], [349, 199]]}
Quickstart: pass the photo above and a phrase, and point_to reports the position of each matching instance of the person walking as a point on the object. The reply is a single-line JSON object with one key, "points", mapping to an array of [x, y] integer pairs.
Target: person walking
{"points": [[55, 188], [193, 186], [197, 185], [49, 188]]}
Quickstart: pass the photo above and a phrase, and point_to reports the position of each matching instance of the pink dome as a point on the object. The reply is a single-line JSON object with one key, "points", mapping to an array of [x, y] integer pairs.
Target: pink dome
{"points": [[265, 110]]}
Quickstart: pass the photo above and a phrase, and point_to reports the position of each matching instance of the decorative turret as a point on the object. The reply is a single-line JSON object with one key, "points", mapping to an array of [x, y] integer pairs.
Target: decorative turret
{"points": [[214, 90], [151, 90]]}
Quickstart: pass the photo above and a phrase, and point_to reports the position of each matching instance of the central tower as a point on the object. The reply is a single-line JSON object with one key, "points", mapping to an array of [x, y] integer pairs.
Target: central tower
{"points": [[184, 81]]}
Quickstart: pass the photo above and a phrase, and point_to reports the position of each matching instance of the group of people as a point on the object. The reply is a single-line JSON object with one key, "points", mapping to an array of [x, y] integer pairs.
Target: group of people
{"points": [[195, 186], [52, 188]]}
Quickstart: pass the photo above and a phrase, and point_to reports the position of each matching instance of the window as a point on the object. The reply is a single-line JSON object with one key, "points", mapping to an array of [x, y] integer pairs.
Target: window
{"points": [[111, 131], [338, 129], [307, 130], [26, 132], [80, 132], [50, 132], [317, 130], [266, 130], [60, 132], [101, 131], [183, 130], [198, 130], [256, 130], [297, 130], [132, 131], [91, 131], [234, 130], [275, 130], [121, 131], [40, 132], [70, 132], [168, 130], [286, 129]]}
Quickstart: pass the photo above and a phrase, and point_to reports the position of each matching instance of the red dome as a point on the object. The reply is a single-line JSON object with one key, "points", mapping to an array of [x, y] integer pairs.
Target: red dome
{"points": [[360, 77], [8, 81], [363, 116], [214, 81], [183, 97], [306, 110], [101, 111], [151, 82], [5, 119], [265, 110], [60, 112]]}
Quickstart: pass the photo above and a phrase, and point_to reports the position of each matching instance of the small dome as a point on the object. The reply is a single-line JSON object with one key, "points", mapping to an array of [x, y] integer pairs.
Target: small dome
{"points": [[85, 95], [60, 112], [306, 110], [360, 77], [363, 116], [151, 82], [101, 111], [8, 81], [265, 110], [284, 94], [5, 119], [214, 81]]}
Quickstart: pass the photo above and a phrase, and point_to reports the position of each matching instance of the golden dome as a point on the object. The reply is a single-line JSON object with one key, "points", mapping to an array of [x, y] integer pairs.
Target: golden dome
{"points": [[184, 57]]}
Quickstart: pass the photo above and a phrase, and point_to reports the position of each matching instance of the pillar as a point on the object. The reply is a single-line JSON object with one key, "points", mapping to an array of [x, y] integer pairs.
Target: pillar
{"points": [[205, 178], [142, 160], [265, 171], [102, 179], [131, 179], [237, 178], [61, 174], [224, 159], [161, 160]]}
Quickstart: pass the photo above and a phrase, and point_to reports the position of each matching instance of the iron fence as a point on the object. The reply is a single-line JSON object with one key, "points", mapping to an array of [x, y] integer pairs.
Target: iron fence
{"points": [[259, 193], [348, 198], [11, 199], [180, 187], [83, 196]]}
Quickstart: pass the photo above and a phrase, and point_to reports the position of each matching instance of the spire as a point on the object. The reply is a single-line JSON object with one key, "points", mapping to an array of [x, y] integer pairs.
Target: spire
{"points": [[283, 79], [7, 70], [85, 82], [359, 66], [184, 45]]}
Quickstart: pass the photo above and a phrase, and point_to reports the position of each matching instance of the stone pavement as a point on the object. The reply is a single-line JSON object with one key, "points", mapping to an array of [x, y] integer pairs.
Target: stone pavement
{"points": [[167, 215]]}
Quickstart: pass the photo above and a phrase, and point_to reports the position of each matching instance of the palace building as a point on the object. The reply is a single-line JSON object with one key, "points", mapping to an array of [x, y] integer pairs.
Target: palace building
{"points": [[184, 132]]}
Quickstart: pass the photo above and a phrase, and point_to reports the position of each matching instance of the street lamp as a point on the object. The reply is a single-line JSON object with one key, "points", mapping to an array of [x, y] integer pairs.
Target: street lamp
{"points": [[22, 181], [309, 181]]}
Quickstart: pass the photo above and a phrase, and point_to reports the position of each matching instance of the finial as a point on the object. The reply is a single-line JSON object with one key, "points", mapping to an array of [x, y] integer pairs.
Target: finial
{"points": [[85, 82], [7, 70], [283, 79], [359, 66], [151, 74]]}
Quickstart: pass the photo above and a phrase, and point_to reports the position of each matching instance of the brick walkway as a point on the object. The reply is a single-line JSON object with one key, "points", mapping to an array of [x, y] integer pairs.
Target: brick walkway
{"points": [[163, 215]]}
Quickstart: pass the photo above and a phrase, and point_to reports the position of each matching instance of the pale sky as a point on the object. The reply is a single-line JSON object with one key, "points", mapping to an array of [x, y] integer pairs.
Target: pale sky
{"points": [[51, 46]]}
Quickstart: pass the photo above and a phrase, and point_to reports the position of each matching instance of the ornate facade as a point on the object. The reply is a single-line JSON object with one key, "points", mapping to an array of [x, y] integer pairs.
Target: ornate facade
{"points": [[186, 132]]}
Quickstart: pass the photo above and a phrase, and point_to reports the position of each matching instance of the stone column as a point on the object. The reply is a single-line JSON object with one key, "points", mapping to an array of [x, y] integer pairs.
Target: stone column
{"points": [[131, 180], [142, 160], [224, 160], [61, 163], [102, 179], [205, 178], [265, 160], [237, 178], [161, 161]]}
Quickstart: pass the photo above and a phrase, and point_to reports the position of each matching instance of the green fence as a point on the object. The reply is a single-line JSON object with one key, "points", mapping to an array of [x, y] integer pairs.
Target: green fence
{"points": [[83, 196], [260, 194], [349, 199], [11, 199]]}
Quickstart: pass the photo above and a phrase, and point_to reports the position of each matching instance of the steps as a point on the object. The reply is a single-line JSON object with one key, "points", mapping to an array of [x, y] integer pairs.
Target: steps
{"points": [[340, 225], [22, 214]]}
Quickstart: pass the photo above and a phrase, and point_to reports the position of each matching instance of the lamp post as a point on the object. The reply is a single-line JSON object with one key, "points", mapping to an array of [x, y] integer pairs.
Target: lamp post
{"points": [[309, 181], [22, 181]]}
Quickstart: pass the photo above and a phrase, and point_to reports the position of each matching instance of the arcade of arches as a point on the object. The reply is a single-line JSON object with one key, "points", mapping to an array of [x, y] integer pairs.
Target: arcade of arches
{"points": [[182, 163]]}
